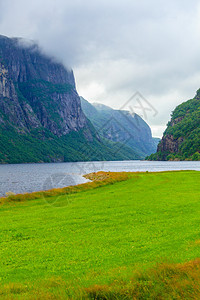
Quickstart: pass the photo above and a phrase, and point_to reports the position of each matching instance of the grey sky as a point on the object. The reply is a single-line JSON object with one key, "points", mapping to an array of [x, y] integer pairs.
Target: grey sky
{"points": [[118, 47]]}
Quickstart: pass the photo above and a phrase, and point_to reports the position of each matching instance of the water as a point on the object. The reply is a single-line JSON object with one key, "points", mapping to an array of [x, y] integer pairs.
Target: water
{"points": [[26, 178]]}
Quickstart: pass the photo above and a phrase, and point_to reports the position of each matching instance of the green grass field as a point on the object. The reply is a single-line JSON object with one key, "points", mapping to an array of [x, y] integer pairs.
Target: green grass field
{"points": [[76, 245]]}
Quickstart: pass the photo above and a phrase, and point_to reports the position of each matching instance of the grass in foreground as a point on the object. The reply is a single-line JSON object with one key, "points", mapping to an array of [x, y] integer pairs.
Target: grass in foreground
{"points": [[101, 243]]}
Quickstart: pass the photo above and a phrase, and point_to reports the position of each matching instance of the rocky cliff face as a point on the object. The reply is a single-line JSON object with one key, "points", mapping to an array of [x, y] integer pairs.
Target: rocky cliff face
{"points": [[36, 91], [181, 139], [41, 119], [170, 144]]}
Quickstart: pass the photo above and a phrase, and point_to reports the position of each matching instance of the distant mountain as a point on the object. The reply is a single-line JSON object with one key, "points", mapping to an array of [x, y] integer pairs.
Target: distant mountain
{"points": [[181, 139], [41, 119], [121, 126], [156, 142]]}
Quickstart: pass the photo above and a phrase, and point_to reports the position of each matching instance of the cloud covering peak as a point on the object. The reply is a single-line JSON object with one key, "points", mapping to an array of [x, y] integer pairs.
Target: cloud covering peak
{"points": [[117, 48]]}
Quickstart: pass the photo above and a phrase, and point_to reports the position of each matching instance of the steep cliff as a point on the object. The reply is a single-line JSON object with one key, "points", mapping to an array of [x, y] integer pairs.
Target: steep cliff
{"points": [[41, 118], [181, 139], [36, 91], [121, 126]]}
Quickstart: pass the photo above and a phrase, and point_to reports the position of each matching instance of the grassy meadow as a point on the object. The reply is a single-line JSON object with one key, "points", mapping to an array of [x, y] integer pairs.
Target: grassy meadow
{"points": [[122, 236]]}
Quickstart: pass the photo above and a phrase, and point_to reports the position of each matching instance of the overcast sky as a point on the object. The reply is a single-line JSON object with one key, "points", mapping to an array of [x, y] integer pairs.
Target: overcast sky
{"points": [[117, 48]]}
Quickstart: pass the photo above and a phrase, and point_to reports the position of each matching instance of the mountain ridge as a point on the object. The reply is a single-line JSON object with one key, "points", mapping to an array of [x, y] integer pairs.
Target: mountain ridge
{"points": [[121, 126]]}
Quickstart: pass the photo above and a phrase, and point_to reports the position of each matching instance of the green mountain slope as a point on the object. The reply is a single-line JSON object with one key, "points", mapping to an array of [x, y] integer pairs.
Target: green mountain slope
{"points": [[43, 146], [181, 139]]}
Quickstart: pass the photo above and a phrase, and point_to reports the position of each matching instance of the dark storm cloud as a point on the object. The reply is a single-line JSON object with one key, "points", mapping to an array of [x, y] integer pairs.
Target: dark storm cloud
{"points": [[117, 47]]}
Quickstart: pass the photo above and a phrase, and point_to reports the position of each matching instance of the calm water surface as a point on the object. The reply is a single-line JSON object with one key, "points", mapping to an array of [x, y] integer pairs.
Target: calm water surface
{"points": [[25, 178]]}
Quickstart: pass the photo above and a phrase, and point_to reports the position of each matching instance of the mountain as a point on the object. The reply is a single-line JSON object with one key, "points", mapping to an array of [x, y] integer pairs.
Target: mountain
{"points": [[121, 126], [181, 139], [156, 141], [41, 119]]}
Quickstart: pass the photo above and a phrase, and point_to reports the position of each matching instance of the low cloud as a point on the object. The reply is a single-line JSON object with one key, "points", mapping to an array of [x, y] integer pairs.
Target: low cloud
{"points": [[117, 48]]}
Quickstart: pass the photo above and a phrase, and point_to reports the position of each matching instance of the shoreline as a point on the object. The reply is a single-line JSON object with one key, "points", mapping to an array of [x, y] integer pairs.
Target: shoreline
{"points": [[96, 179]]}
